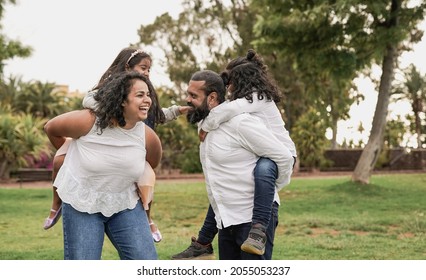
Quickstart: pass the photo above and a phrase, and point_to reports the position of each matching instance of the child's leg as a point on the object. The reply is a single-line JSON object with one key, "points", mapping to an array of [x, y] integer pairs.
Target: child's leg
{"points": [[55, 210], [56, 202], [265, 174], [146, 191], [156, 234]]}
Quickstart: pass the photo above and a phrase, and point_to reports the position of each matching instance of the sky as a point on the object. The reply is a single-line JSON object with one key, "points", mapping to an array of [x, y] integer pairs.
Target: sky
{"points": [[74, 42]]}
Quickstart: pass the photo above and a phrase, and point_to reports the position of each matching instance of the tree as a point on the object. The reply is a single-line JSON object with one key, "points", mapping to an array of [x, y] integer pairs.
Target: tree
{"points": [[310, 139], [9, 91], [206, 34], [23, 112], [413, 89], [309, 37], [36, 98], [10, 48], [342, 38], [41, 99], [394, 22], [21, 139]]}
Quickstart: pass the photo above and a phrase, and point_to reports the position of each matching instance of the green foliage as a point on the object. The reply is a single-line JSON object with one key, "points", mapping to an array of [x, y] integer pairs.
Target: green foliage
{"points": [[10, 49], [332, 41], [394, 133], [308, 135], [41, 99], [413, 89], [206, 34], [180, 146], [190, 160], [25, 107], [179, 138], [383, 159], [9, 91], [21, 139], [72, 103], [319, 219]]}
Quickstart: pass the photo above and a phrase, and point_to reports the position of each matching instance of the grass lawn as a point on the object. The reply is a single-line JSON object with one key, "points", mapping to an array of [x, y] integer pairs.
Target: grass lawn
{"points": [[320, 219]]}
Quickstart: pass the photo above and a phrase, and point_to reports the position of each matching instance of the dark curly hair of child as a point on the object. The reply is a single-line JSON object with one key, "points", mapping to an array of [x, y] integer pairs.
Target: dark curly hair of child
{"points": [[248, 75]]}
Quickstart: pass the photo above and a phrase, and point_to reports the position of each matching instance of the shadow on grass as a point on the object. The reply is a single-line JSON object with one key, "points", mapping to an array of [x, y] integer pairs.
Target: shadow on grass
{"points": [[357, 189]]}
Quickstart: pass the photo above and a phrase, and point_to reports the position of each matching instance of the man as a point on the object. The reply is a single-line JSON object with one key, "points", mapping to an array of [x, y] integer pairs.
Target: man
{"points": [[228, 156]]}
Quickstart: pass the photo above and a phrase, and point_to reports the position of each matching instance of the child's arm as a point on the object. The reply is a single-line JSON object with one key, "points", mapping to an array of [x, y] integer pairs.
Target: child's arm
{"points": [[227, 110], [174, 111]]}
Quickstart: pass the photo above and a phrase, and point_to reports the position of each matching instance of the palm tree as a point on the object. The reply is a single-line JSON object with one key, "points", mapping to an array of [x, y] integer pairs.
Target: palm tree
{"points": [[414, 90], [21, 138], [41, 99], [10, 90]]}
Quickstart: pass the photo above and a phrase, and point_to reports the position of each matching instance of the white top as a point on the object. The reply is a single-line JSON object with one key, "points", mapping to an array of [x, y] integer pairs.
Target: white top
{"points": [[170, 113], [229, 155], [265, 109], [100, 170]]}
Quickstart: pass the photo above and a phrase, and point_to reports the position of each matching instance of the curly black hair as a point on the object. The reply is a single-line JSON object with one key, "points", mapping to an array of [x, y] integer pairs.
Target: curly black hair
{"points": [[248, 75], [111, 96]]}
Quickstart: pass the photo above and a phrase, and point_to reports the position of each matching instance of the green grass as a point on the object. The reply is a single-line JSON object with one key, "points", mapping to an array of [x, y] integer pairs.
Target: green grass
{"points": [[320, 219]]}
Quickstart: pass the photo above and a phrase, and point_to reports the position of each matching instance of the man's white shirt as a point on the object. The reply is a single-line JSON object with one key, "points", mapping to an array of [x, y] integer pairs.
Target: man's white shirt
{"points": [[229, 155]]}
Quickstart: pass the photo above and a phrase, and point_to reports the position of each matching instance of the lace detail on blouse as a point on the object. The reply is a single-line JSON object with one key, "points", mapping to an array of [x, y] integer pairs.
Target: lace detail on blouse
{"points": [[100, 171]]}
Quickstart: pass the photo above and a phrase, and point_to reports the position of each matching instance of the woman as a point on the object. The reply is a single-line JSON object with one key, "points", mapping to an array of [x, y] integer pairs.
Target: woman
{"points": [[105, 159], [128, 59]]}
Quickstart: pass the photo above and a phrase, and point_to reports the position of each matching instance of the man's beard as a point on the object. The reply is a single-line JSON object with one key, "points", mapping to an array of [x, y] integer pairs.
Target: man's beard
{"points": [[198, 114]]}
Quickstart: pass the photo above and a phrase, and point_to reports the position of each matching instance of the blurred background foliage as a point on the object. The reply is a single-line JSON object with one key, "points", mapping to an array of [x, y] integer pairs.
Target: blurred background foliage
{"points": [[314, 52]]}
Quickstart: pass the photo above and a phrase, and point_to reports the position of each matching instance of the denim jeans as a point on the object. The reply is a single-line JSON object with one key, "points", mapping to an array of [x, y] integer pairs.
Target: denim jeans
{"points": [[232, 237], [209, 228], [128, 231], [265, 174]]}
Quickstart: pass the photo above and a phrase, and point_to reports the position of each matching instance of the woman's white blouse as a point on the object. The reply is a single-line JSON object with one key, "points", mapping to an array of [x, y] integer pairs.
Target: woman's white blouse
{"points": [[100, 170]]}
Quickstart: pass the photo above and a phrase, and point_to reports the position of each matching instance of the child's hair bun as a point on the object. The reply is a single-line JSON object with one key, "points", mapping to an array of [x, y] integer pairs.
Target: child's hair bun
{"points": [[250, 54]]}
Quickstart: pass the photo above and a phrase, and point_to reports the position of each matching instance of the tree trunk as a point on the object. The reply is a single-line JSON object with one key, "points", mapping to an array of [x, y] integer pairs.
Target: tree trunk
{"points": [[4, 170], [417, 108], [371, 152], [334, 137]]}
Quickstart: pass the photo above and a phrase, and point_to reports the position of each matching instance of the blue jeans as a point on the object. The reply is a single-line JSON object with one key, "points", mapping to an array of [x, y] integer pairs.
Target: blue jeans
{"points": [[265, 174], [128, 231], [232, 237]]}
